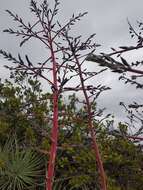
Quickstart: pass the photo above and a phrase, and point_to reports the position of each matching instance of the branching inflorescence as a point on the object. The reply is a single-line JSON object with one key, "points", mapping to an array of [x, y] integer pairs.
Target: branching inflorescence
{"points": [[65, 62], [130, 73]]}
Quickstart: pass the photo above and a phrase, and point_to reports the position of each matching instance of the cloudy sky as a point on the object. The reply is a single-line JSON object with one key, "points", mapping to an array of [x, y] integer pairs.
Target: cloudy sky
{"points": [[106, 18]]}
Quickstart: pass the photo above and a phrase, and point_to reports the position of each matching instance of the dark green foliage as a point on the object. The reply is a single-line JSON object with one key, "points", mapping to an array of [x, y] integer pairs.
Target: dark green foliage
{"points": [[19, 168], [76, 168], [22, 109]]}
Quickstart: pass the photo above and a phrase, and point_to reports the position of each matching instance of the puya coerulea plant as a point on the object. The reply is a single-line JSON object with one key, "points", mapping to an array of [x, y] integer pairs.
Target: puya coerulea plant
{"points": [[65, 64]]}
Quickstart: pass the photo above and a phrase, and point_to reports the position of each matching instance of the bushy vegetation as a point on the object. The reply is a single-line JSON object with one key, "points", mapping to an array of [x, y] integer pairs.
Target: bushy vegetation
{"points": [[25, 144]]}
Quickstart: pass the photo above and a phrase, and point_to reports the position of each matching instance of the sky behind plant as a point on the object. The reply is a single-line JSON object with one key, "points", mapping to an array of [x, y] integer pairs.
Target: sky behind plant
{"points": [[106, 18]]}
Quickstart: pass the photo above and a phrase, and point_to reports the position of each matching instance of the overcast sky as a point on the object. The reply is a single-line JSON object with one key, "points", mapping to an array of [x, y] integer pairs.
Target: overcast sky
{"points": [[106, 18]]}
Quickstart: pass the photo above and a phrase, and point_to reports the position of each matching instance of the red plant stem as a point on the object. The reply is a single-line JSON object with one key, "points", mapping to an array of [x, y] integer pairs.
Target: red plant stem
{"points": [[131, 137], [126, 69], [92, 131], [54, 132], [135, 138], [126, 50]]}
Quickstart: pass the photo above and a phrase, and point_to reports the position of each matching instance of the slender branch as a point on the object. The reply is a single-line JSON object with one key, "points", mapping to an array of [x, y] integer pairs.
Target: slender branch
{"points": [[92, 130], [113, 64], [42, 76], [125, 50], [135, 138]]}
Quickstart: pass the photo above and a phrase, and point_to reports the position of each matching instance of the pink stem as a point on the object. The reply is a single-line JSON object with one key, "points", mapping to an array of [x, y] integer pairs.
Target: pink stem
{"points": [[92, 131], [54, 133], [135, 138]]}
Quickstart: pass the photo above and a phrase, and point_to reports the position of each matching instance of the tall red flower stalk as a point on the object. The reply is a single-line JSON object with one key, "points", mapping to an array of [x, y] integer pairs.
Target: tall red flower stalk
{"points": [[54, 132], [92, 130]]}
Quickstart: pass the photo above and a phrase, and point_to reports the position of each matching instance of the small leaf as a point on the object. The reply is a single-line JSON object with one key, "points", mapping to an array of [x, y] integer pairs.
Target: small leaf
{"points": [[6, 30], [28, 61], [113, 49], [21, 61], [123, 47], [23, 41], [125, 62]]}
